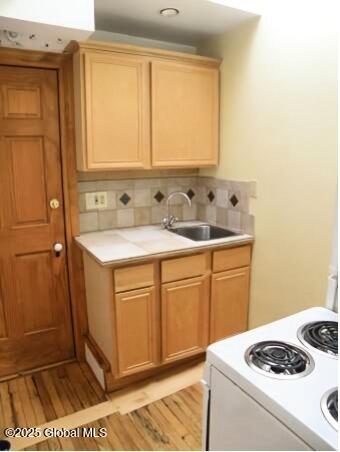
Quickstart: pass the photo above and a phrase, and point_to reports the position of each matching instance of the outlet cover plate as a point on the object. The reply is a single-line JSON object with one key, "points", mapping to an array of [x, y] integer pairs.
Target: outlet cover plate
{"points": [[96, 200]]}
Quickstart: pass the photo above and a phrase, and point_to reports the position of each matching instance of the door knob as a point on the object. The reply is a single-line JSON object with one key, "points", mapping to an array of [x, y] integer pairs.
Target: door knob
{"points": [[58, 247], [54, 203]]}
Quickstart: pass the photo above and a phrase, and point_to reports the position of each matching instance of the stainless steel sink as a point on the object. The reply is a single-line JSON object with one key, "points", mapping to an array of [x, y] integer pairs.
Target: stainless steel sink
{"points": [[203, 232]]}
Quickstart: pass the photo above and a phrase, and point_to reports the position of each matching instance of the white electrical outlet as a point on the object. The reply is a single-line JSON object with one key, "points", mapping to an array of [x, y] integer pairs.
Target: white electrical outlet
{"points": [[101, 199], [96, 200]]}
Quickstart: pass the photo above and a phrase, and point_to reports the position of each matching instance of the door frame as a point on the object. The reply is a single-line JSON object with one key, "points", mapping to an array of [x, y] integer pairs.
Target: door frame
{"points": [[63, 65]]}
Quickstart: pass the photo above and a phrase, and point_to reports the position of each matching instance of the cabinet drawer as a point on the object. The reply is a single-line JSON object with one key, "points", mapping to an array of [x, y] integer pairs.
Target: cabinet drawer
{"points": [[231, 258], [135, 277], [185, 267]]}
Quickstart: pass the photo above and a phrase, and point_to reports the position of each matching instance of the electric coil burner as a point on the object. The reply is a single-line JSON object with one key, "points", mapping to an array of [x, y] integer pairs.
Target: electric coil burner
{"points": [[329, 406], [279, 360], [322, 336]]}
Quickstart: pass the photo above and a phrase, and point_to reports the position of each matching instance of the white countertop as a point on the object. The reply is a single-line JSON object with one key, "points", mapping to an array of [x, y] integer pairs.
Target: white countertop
{"points": [[119, 245]]}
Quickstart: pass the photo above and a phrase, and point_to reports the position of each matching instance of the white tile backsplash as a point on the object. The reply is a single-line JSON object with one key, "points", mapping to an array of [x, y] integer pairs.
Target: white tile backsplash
{"points": [[143, 208]]}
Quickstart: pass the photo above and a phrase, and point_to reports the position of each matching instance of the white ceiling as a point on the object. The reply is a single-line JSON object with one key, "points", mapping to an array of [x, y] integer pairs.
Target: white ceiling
{"points": [[198, 19]]}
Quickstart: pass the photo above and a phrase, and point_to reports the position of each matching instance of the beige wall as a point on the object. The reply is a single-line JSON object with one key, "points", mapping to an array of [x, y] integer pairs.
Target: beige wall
{"points": [[108, 36], [278, 126]]}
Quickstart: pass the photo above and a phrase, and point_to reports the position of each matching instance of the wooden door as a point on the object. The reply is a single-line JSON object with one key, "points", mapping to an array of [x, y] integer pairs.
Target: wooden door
{"points": [[136, 330], [185, 115], [35, 322], [185, 318], [117, 111], [229, 303]]}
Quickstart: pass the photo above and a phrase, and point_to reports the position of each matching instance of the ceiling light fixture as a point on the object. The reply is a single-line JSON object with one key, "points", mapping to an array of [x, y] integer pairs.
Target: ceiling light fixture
{"points": [[169, 12]]}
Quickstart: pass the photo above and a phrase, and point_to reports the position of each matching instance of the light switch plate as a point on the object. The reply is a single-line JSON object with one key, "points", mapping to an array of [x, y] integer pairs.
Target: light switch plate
{"points": [[96, 200]]}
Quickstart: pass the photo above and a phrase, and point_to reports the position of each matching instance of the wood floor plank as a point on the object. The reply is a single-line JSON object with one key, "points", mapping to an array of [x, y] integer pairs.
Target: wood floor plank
{"points": [[50, 386], [129, 441], [191, 401], [35, 400], [92, 381], [25, 402], [141, 431], [115, 441], [101, 443], [64, 392], [19, 412], [84, 391], [147, 392], [177, 432], [44, 397], [68, 397], [7, 418], [159, 439], [71, 395], [134, 433], [183, 413]]}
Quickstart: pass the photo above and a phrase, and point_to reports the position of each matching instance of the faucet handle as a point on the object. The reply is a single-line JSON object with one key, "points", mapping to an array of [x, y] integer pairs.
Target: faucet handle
{"points": [[172, 220], [167, 222], [164, 222]]}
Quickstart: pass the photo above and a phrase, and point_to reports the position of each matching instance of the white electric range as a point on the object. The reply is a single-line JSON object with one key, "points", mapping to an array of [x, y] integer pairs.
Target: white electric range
{"points": [[274, 387]]}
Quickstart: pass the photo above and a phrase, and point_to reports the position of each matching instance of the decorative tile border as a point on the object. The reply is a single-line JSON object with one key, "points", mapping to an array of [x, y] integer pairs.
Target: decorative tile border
{"points": [[136, 202], [225, 203]]}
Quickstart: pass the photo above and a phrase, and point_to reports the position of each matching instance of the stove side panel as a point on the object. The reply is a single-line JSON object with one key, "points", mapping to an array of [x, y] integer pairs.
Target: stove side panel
{"points": [[238, 422]]}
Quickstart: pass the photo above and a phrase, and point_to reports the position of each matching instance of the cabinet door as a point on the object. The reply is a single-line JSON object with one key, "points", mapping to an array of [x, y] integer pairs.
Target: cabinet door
{"points": [[185, 318], [117, 111], [136, 330], [229, 303], [185, 115]]}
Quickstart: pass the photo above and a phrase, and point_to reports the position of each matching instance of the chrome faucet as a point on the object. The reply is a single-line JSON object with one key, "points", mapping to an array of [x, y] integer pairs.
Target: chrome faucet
{"points": [[169, 220]]}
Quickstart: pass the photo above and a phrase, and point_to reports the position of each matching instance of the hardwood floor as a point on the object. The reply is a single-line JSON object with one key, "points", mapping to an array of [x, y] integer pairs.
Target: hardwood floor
{"points": [[34, 399], [150, 416]]}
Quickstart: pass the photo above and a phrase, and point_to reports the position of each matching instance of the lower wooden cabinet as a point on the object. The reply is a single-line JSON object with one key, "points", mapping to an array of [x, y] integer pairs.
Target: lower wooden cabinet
{"points": [[136, 331], [229, 303], [145, 316], [185, 313]]}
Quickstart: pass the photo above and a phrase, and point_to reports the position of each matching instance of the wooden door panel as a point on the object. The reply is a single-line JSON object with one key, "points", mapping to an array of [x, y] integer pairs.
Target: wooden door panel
{"points": [[185, 311], [229, 303], [184, 115], [29, 181], [3, 325], [3, 321], [45, 348], [35, 291], [117, 111], [35, 322], [136, 330], [21, 101]]}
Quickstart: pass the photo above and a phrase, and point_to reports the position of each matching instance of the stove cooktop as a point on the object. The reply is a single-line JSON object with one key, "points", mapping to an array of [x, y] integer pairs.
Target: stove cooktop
{"points": [[279, 359], [329, 406], [292, 399], [321, 336]]}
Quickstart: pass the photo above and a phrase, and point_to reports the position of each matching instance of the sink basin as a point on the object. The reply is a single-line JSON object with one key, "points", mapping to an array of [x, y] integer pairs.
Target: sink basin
{"points": [[203, 232]]}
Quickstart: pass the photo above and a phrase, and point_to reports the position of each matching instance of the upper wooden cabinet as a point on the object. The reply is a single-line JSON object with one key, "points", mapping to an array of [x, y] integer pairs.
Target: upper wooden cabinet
{"points": [[184, 114], [114, 112], [139, 108]]}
